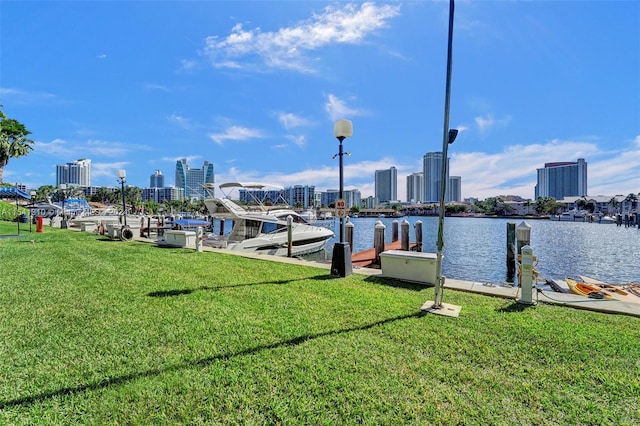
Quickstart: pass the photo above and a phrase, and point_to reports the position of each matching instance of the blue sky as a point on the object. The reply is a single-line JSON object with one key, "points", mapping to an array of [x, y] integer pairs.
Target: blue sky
{"points": [[255, 86]]}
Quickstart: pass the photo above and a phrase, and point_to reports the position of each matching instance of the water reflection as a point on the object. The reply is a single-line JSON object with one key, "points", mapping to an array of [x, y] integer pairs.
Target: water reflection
{"points": [[475, 248]]}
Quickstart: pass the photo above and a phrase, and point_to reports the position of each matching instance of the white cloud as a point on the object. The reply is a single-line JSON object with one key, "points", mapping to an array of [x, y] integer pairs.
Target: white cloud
{"points": [[488, 122], [290, 120], [337, 108], [299, 140], [187, 65], [287, 47], [107, 170], [235, 133], [55, 147], [159, 87], [21, 97], [180, 121]]}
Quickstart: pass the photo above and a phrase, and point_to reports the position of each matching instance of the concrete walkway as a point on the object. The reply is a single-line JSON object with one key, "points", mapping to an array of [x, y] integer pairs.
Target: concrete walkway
{"points": [[496, 290]]}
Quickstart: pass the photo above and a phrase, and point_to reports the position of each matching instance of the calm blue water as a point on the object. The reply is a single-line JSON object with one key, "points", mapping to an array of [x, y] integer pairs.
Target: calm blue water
{"points": [[475, 248]]}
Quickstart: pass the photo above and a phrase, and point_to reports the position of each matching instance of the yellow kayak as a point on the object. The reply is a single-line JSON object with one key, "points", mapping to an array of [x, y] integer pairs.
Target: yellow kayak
{"points": [[589, 290]]}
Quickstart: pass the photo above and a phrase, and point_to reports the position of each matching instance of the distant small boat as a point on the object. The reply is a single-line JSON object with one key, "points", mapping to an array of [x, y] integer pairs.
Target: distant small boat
{"points": [[569, 216], [309, 215], [606, 219]]}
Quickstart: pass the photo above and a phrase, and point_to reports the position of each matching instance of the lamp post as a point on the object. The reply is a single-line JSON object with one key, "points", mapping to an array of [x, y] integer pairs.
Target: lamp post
{"points": [[63, 222], [33, 207], [122, 175], [341, 259], [449, 135]]}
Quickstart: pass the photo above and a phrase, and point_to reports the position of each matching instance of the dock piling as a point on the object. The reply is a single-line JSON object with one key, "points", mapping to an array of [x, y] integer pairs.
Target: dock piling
{"points": [[378, 240], [394, 230], [418, 231], [511, 251], [404, 235]]}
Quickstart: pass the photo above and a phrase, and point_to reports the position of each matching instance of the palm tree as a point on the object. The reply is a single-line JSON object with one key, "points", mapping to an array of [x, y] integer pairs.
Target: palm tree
{"points": [[614, 203], [633, 199], [13, 141]]}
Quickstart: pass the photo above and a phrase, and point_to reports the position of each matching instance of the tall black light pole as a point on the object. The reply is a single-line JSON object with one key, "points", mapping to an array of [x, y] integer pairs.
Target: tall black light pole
{"points": [[341, 259], [448, 136], [122, 175], [33, 207]]}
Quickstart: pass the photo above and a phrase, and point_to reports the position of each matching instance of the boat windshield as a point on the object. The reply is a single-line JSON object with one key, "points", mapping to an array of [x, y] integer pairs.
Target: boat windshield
{"points": [[269, 227]]}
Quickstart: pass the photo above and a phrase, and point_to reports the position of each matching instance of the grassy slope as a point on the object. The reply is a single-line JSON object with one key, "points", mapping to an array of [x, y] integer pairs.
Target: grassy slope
{"points": [[99, 331]]}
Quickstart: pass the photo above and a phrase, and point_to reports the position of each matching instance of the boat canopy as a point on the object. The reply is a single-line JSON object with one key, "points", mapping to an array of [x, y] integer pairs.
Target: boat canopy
{"points": [[8, 192]]}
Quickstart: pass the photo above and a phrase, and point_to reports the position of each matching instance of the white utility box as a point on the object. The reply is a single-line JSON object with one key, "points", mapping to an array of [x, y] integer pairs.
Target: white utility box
{"points": [[88, 226], [114, 231], [409, 266], [175, 238]]}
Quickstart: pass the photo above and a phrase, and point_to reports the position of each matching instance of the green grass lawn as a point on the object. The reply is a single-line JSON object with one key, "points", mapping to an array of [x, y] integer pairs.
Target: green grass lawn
{"points": [[96, 331]]}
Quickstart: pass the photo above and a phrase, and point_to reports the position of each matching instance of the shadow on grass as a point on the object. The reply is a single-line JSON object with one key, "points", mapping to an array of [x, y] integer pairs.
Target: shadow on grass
{"points": [[182, 292], [514, 307], [120, 380], [390, 282]]}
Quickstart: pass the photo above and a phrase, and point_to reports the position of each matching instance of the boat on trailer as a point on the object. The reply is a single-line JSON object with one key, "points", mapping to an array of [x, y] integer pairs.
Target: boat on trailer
{"points": [[265, 230]]}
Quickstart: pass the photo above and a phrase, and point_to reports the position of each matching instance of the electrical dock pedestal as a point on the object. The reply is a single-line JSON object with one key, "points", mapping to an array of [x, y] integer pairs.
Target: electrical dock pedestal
{"points": [[526, 277]]}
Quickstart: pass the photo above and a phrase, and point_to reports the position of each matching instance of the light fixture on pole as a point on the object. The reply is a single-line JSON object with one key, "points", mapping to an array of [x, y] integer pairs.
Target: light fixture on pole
{"points": [[449, 135], [122, 175], [63, 189], [341, 258]]}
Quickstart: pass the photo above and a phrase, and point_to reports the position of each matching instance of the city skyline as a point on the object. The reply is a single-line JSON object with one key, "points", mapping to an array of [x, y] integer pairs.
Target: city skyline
{"points": [[256, 87]]}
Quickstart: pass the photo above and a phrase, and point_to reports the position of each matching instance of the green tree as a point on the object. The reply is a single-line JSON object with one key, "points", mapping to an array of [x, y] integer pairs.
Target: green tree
{"points": [[633, 199], [614, 203], [13, 140]]}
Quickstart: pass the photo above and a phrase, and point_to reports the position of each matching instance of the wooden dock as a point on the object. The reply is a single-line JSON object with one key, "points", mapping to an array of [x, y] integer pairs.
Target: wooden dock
{"points": [[367, 258]]}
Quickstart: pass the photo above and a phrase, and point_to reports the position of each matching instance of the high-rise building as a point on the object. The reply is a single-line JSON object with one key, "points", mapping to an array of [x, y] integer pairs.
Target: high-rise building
{"points": [[352, 197], [386, 185], [161, 194], [302, 195], [454, 189], [156, 180], [562, 179], [432, 172], [194, 181], [74, 173], [415, 184]]}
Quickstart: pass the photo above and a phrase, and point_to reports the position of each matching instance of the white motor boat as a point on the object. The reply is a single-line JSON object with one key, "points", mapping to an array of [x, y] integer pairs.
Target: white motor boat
{"points": [[266, 231], [606, 219], [108, 216], [309, 215], [569, 216]]}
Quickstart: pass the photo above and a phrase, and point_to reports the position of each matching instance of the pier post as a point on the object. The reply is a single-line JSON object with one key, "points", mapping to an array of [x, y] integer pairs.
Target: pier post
{"points": [[524, 235], [404, 235], [417, 227], [378, 240], [289, 235], [199, 239], [511, 251], [161, 225], [349, 234], [394, 231]]}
